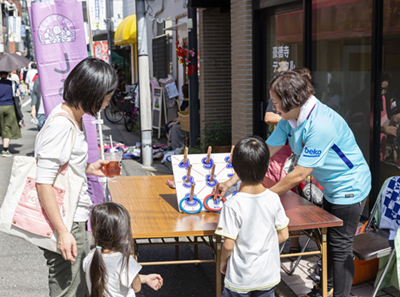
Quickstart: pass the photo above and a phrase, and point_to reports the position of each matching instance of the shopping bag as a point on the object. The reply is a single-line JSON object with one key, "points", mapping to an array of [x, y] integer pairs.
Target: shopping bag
{"points": [[22, 214]]}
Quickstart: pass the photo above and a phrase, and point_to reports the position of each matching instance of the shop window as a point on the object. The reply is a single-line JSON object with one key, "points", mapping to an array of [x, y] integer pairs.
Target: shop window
{"points": [[390, 92], [284, 49], [341, 69]]}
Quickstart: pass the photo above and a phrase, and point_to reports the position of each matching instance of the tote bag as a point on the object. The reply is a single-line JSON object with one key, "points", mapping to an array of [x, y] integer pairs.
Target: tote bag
{"points": [[21, 213]]}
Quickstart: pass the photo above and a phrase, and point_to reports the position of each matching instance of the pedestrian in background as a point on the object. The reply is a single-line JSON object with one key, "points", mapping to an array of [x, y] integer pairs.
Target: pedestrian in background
{"points": [[30, 76], [37, 107], [9, 127]]}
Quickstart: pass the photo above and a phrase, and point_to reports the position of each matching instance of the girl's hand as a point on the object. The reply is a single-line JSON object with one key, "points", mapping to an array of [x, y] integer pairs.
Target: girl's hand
{"points": [[67, 246], [96, 168], [154, 281]]}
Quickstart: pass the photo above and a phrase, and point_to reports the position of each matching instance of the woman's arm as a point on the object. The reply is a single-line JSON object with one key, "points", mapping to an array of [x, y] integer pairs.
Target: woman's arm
{"points": [[292, 179], [273, 150], [66, 241], [271, 118]]}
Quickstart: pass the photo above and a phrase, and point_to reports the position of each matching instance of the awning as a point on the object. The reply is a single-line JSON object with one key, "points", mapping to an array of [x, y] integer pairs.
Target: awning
{"points": [[126, 31]]}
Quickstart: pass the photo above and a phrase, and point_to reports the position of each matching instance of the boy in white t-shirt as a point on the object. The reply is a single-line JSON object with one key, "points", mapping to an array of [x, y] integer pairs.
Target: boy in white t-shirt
{"points": [[253, 223]]}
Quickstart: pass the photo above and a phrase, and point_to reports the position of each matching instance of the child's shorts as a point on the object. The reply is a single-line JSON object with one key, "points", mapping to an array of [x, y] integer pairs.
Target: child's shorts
{"points": [[228, 293]]}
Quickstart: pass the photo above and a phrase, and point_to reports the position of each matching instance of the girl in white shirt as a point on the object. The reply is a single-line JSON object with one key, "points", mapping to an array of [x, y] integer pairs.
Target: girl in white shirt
{"points": [[110, 269], [87, 89]]}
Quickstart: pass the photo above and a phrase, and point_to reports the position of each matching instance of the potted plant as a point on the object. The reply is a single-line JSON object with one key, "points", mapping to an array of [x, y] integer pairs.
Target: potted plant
{"points": [[217, 136]]}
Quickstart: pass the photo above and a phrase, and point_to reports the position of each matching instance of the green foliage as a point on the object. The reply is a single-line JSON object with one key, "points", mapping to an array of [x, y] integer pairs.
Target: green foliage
{"points": [[216, 134], [195, 150]]}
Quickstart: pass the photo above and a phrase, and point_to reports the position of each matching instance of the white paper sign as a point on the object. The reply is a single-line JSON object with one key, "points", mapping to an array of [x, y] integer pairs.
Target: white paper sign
{"points": [[171, 89], [200, 177]]}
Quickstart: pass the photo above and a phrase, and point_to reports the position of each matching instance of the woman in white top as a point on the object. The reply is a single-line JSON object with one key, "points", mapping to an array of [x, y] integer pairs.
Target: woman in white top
{"points": [[87, 89]]}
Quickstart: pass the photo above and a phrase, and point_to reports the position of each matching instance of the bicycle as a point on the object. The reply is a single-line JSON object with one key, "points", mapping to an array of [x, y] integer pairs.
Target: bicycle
{"points": [[131, 116], [123, 106], [114, 110]]}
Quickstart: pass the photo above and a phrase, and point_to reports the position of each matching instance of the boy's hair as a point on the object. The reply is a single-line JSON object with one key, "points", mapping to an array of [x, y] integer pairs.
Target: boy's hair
{"points": [[250, 160], [88, 83], [292, 88], [111, 229]]}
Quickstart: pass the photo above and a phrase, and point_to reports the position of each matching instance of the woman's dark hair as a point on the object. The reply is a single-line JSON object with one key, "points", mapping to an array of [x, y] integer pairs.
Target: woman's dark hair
{"points": [[250, 160], [305, 72], [111, 229], [292, 88], [185, 91], [88, 83]]}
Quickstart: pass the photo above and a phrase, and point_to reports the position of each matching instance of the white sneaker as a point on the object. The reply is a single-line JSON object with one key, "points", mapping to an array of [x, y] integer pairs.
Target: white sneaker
{"points": [[6, 154]]}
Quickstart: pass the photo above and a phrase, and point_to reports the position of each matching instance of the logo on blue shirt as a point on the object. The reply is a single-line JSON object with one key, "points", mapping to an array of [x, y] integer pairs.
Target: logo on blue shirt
{"points": [[313, 153]]}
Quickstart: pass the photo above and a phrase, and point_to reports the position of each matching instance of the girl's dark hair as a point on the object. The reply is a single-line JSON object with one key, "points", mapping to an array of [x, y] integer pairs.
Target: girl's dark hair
{"points": [[292, 88], [111, 229], [250, 160], [88, 83]]}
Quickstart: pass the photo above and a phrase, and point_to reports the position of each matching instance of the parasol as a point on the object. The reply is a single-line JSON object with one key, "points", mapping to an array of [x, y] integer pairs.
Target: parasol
{"points": [[11, 62]]}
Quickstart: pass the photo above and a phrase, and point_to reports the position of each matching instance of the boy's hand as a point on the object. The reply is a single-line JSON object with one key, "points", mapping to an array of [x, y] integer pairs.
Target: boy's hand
{"points": [[154, 281], [223, 267]]}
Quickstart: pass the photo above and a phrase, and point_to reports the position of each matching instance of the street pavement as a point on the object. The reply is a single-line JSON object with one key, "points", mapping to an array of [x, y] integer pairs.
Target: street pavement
{"points": [[23, 270]]}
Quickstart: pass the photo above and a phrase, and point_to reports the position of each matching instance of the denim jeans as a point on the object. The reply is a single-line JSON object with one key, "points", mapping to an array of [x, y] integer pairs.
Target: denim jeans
{"points": [[41, 119]]}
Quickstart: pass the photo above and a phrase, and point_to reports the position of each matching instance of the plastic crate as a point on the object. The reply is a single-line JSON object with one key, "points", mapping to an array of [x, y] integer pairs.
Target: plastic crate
{"points": [[365, 270]]}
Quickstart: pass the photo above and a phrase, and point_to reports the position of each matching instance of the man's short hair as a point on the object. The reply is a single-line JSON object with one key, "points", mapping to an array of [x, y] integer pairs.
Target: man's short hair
{"points": [[88, 83], [292, 88], [250, 160]]}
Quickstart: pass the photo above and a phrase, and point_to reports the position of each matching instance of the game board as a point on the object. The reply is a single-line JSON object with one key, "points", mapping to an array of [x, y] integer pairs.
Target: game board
{"points": [[200, 173]]}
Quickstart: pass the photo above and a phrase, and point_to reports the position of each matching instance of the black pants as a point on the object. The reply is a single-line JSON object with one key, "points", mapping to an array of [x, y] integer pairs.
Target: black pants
{"points": [[340, 246]]}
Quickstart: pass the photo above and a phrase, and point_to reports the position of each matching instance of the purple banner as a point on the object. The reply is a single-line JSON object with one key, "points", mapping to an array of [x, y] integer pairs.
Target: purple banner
{"points": [[59, 41]]}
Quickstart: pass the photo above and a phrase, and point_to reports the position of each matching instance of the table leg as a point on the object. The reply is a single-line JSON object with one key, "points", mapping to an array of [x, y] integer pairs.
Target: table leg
{"points": [[217, 266], [177, 249], [324, 252], [196, 249]]}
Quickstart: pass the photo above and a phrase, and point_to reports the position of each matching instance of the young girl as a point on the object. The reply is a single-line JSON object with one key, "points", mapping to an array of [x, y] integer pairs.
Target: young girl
{"points": [[109, 268]]}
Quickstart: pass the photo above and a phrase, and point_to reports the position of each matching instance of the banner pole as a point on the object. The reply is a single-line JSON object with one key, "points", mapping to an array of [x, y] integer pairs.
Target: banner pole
{"points": [[90, 28]]}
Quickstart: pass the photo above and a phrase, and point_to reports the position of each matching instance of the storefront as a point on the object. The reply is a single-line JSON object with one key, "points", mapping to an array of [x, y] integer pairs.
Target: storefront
{"points": [[352, 49]]}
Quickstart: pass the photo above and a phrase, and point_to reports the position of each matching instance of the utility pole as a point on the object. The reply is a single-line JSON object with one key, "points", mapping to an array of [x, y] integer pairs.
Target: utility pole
{"points": [[194, 105], [109, 28], [144, 86]]}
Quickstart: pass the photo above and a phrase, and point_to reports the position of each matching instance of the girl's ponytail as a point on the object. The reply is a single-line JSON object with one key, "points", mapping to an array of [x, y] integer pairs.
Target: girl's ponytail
{"points": [[98, 275]]}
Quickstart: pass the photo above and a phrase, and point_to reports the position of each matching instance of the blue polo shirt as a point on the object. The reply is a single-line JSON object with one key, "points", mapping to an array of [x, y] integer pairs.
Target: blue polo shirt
{"points": [[6, 92], [325, 142]]}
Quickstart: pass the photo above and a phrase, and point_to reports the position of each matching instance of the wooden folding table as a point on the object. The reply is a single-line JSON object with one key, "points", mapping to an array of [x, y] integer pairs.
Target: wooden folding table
{"points": [[153, 208]]}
